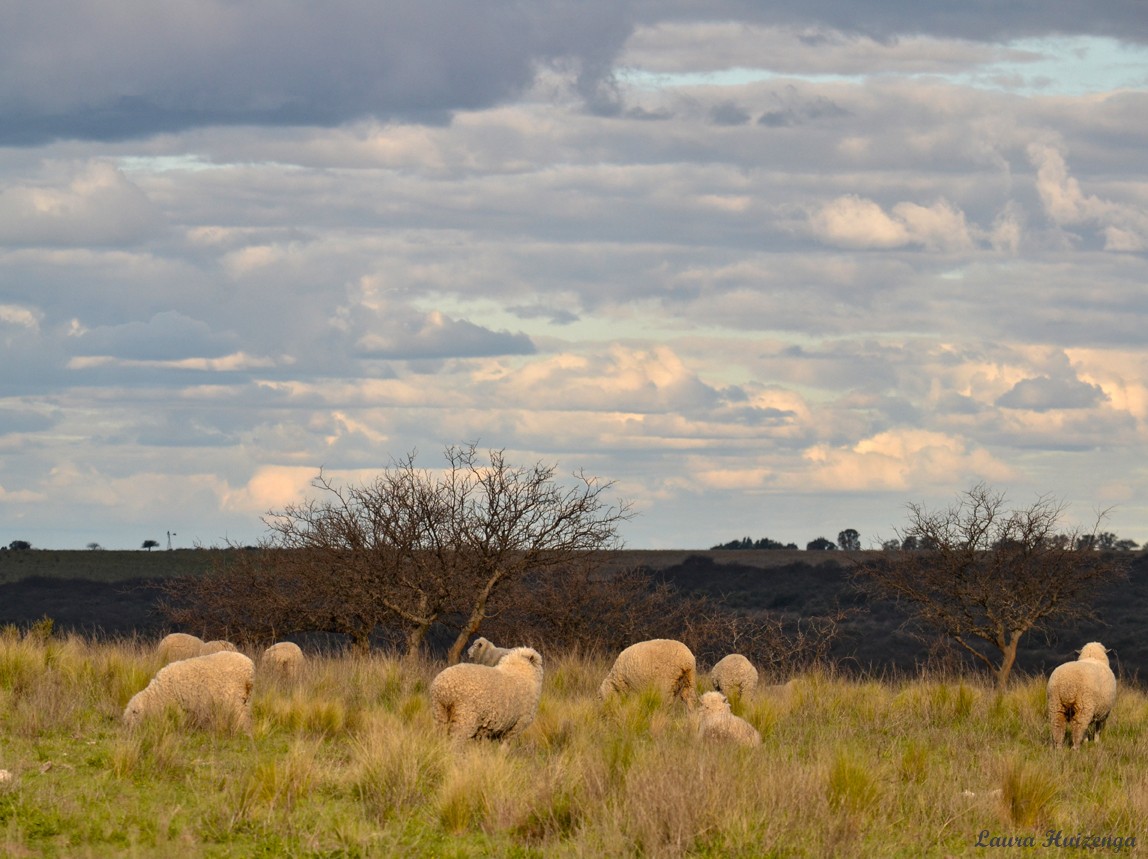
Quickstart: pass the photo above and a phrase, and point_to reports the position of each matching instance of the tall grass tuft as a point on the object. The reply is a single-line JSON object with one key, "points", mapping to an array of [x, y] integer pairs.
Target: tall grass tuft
{"points": [[850, 786], [396, 767], [1029, 791]]}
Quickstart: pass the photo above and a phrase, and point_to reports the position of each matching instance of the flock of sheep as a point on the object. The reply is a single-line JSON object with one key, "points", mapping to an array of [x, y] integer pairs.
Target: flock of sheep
{"points": [[496, 694]]}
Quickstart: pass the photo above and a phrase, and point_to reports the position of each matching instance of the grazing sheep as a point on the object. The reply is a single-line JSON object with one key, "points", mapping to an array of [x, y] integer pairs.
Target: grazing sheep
{"points": [[484, 652], [716, 722], [178, 645], [1081, 695], [474, 701], [734, 675], [661, 663], [216, 646], [283, 659], [207, 688]]}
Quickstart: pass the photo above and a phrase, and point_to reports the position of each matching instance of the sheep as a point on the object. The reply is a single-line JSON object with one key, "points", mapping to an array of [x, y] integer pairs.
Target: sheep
{"points": [[734, 675], [484, 652], [207, 688], [216, 646], [472, 701], [716, 722], [661, 663], [284, 659], [178, 645], [1081, 695]]}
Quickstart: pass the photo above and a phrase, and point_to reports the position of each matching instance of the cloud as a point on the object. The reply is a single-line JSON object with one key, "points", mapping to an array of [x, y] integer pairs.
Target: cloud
{"points": [[899, 459], [1124, 227], [124, 69], [728, 113], [883, 22], [16, 421], [793, 109], [1042, 394], [855, 222], [436, 335], [167, 336], [92, 203]]}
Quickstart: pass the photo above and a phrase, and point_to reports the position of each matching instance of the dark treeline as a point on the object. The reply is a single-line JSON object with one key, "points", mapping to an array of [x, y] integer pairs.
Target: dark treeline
{"points": [[783, 615]]}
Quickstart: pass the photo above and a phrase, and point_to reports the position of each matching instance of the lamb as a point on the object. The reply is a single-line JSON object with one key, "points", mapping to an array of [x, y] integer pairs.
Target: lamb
{"points": [[1081, 695], [216, 646], [283, 659], [716, 722], [178, 645], [661, 663], [484, 652], [472, 701], [734, 675], [210, 689]]}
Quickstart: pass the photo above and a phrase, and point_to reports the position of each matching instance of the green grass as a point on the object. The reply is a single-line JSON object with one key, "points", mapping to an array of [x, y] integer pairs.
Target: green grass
{"points": [[347, 762]]}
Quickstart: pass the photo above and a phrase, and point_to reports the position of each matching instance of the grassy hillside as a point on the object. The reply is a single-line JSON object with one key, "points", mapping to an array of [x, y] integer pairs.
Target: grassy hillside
{"points": [[348, 763], [103, 566]]}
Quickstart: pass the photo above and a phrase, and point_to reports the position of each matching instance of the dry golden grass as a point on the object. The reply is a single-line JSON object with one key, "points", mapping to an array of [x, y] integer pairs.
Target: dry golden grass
{"points": [[346, 761]]}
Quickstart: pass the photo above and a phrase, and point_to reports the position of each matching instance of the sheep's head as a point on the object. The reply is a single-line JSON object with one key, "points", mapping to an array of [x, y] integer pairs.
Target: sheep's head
{"points": [[133, 713], [480, 646], [1096, 651], [714, 702]]}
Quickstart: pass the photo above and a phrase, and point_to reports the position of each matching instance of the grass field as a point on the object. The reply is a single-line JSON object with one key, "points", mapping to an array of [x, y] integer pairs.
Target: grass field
{"points": [[347, 762]]}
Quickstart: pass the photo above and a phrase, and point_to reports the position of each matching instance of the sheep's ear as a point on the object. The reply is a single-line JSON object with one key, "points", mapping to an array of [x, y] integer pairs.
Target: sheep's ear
{"points": [[535, 657]]}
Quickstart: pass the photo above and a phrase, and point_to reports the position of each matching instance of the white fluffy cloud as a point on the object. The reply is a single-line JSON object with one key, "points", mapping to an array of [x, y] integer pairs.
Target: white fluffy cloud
{"points": [[854, 222]]}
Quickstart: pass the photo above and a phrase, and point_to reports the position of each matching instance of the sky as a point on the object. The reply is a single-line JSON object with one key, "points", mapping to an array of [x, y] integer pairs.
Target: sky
{"points": [[775, 270]]}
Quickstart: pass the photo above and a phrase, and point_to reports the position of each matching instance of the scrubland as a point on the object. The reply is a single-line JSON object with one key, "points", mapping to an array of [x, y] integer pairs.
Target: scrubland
{"points": [[346, 762]]}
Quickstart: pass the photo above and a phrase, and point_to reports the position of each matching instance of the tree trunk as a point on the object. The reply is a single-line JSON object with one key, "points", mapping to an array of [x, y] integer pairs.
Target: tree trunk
{"points": [[1008, 657], [416, 637], [477, 615]]}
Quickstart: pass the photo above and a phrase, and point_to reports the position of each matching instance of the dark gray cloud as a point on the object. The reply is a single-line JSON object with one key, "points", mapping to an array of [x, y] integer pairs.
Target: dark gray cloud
{"points": [[793, 109], [118, 70], [168, 336], [728, 113], [886, 19], [121, 69], [13, 421], [435, 336], [1043, 394]]}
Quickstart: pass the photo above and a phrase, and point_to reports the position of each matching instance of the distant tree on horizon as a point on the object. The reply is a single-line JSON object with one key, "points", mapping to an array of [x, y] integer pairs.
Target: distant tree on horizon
{"points": [[849, 540], [747, 543], [149, 544], [821, 544], [19, 545]]}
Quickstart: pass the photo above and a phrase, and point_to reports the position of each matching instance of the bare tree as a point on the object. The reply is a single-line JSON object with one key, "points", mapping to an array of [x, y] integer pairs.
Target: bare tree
{"points": [[515, 519], [983, 574], [408, 549]]}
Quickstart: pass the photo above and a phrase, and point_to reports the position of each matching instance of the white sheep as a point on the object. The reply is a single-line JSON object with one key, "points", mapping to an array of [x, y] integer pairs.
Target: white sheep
{"points": [[216, 646], [717, 722], [484, 652], [472, 701], [1081, 695], [283, 659], [209, 689], [734, 675], [661, 663], [178, 645]]}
